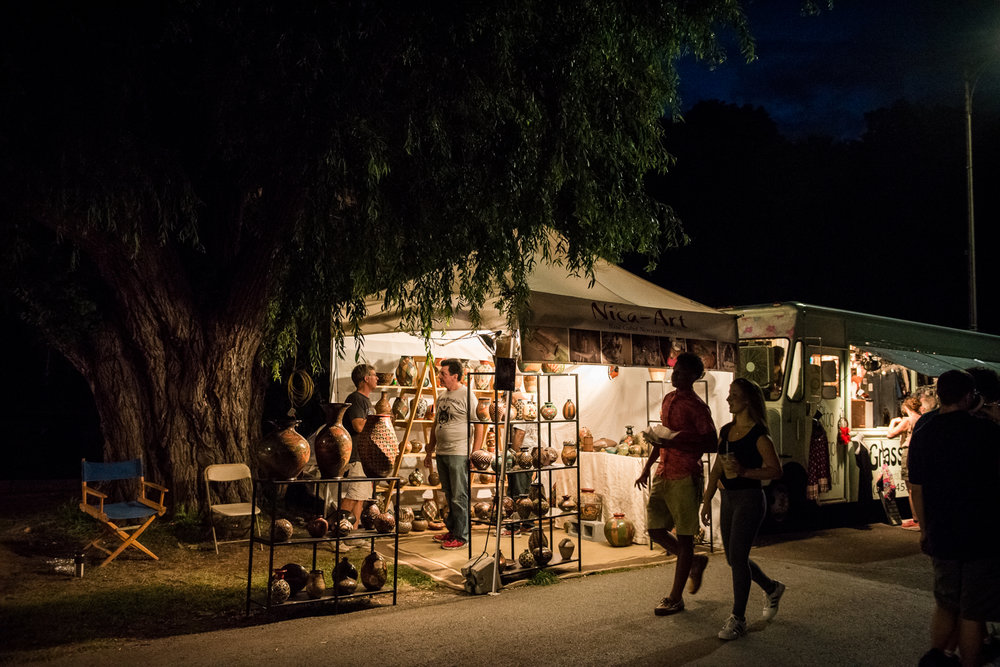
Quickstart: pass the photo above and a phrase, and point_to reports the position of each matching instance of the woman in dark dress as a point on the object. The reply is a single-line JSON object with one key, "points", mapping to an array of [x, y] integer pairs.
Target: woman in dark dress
{"points": [[746, 456]]}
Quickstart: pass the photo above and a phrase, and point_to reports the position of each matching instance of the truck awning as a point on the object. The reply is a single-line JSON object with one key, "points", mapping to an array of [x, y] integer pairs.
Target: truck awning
{"points": [[928, 364]]}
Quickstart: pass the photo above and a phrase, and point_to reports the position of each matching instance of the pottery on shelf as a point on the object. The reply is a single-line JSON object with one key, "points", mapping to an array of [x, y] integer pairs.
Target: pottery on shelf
{"points": [[483, 409], [507, 506], [400, 408], [569, 409], [567, 505], [526, 560], [568, 453], [406, 371], [530, 383], [416, 478], [430, 510], [433, 478], [483, 377], [280, 590], [333, 445], [374, 571], [315, 584], [283, 453], [534, 539], [342, 527], [591, 505], [542, 556], [419, 524], [377, 446], [619, 531], [481, 459], [524, 505], [386, 379], [404, 527], [369, 513], [317, 526], [483, 510], [385, 522], [497, 409], [548, 411], [281, 530], [420, 409], [295, 575]]}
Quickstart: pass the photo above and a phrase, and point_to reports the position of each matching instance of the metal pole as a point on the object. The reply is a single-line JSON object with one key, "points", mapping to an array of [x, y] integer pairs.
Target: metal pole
{"points": [[973, 318]]}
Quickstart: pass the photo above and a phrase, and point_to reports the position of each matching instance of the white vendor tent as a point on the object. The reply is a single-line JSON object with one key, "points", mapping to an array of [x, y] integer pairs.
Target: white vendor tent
{"points": [[634, 321]]}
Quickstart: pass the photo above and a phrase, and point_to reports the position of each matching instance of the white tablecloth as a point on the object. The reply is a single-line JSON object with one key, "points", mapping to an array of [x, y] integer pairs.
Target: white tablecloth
{"points": [[613, 477]]}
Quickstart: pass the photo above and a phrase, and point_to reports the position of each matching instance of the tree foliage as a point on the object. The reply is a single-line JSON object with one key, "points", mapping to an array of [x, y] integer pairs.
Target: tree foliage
{"points": [[189, 189]]}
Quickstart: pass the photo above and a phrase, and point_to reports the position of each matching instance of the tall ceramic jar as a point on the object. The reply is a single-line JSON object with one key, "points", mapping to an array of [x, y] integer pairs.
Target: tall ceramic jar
{"points": [[619, 531], [483, 409], [283, 453], [406, 372], [377, 446], [374, 571], [591, 505], [400, 408], [568, 454], [333, 444], [569, 409], [497, 409], [383, 406]]}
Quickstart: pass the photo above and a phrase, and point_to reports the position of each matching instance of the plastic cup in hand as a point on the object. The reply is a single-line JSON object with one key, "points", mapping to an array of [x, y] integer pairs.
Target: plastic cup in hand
{"points": [[729, 465]]}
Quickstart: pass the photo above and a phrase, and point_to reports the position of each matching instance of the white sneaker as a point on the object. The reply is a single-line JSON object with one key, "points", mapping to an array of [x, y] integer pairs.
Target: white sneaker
{"points": [[771, 601], [733, 628]]}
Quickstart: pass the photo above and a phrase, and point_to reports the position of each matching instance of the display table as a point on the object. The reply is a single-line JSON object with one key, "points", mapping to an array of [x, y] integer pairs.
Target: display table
{"points": [[613, 477]]}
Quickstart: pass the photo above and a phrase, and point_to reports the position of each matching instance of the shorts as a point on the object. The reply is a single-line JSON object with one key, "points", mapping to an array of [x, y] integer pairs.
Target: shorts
{"points": [[904, 470], [970, 588], [356, 490], [674, 503]]}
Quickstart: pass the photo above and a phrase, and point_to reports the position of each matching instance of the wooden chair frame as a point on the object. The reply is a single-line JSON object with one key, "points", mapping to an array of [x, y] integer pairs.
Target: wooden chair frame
{"points": [[228, 472], [114, 516]]}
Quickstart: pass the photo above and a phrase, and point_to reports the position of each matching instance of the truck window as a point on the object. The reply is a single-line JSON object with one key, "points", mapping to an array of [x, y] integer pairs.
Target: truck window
{"points": [[795, 374], [824, 375], [763, 361]]}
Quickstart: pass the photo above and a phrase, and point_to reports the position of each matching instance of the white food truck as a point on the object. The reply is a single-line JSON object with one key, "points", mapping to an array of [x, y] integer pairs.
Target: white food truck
{"points": [[843, 375]]}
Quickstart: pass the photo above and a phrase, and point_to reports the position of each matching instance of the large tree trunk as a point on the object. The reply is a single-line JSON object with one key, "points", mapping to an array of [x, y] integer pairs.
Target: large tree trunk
{"points": [[176, 376]]}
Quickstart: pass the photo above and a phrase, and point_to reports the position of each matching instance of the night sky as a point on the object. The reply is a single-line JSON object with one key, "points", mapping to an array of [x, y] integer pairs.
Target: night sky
{"points": [[896, 246], [820, 74]]}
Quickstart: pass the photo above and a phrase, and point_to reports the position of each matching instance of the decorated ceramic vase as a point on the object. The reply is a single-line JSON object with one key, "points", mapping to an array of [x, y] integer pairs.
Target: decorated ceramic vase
{"points": [[403, 527], [283, 453], [569, 409], [526, 560], [280, 590], [419, 524], [433, 478], [406, 372], [333, 445], [295, 575], [483, 510], [377, 446], [483, 409], [345, 568], [281, 530], [385, 522], [530, 410], [420, 409], [550, 456], [317, 527], [507, 506], [566, 547], [530, 383], [430, 510], [537, 537], [540, 507], [567, 505], [568, 454], [481, 459], [497, 409], [548, 411], [416, 478], [619, 531], [400, 408], [374, 571], [591, 505], [369, 513], [342, 527], [315, 584], [523, 459], [542, 556], [524, 505], [382, 405], [483, 378]]}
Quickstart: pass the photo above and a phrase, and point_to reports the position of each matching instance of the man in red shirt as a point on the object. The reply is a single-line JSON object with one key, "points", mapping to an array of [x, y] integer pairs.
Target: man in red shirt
{"points": [[676, 490]]}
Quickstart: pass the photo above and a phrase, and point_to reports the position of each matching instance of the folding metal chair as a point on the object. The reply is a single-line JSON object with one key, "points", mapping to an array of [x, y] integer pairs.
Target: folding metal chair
{"points": [[228, 472], [141, 511]]}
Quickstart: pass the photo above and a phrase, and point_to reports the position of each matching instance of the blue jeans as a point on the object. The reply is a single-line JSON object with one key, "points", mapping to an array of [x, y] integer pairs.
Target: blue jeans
{"points": [[454, 473]]}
